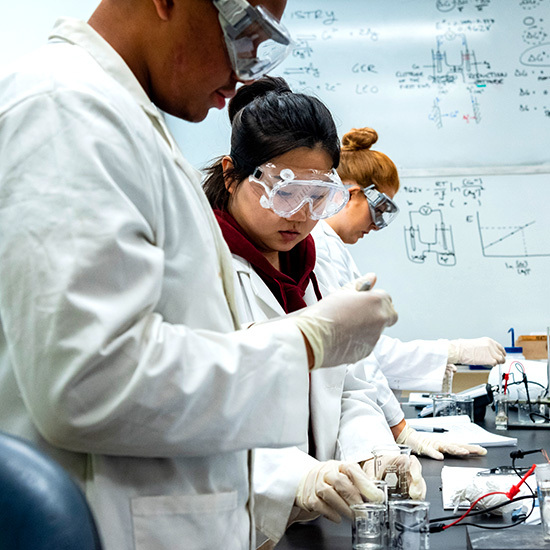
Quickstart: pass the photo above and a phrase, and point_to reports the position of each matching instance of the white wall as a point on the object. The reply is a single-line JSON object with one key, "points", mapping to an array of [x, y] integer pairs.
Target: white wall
{"points": [[26, 25]]}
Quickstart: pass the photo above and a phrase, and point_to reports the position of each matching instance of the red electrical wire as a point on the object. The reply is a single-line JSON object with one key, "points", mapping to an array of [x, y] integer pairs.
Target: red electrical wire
{"points": [[472, 507], [507, 375], [514, 490]]}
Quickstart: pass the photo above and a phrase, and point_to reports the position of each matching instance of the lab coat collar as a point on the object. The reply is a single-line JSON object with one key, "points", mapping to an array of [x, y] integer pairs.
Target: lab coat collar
{"points": [[81, 34], [327, 229]]}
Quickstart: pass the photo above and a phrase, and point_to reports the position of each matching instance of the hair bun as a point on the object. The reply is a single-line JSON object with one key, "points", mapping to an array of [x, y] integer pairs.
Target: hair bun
{"points": [[359, 138], [260, 88]]}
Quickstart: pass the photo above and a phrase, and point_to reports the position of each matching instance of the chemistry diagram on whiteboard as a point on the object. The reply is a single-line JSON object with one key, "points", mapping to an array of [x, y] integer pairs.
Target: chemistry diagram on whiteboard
{"points": [[505, 240], [439, 212], [428, 236]]}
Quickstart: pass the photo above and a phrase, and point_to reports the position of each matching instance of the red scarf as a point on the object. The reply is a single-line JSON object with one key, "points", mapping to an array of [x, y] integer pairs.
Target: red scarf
{"points": [[288, 285]]}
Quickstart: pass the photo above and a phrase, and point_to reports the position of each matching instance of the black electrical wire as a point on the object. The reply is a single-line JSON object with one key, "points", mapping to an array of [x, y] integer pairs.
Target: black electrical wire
{"points": [[438, 527], [516, 383], [480, 512]]}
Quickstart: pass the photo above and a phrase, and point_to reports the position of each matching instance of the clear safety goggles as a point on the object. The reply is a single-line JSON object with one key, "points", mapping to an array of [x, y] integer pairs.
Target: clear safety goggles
{"points": [[286, 191], [256, 41], [382, 209]]}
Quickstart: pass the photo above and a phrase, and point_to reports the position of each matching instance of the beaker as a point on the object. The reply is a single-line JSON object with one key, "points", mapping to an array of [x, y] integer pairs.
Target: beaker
{"points": [[368, 526], [409, 525], [392, 464]]}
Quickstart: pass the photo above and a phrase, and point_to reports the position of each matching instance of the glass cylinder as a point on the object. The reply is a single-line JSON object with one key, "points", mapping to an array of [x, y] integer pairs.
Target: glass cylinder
{"points": [[368, 527], [444, 404], [465, 405], [392, 465], [383, 486], [525, 407], [542, 475], [409, 525], [501, 411]]}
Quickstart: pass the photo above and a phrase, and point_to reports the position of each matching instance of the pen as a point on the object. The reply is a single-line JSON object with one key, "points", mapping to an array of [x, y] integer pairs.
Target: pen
{"points": [[432, 430]]}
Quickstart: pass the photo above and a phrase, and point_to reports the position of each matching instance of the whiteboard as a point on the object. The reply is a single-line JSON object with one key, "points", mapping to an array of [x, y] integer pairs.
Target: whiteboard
{"points": [[446, 83], [465, 257]]}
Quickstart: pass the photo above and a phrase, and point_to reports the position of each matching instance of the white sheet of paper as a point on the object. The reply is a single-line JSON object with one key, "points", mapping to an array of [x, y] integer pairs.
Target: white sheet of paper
{"points": [[462, 430]]}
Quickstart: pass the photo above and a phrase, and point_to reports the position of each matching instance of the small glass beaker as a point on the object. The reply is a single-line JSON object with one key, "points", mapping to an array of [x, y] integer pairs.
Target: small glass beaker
{"points": [[501, 411], [465, 406], [444, 404], [383, 486], [368, 527], [392, 464], [542, 475], [409, 525], [525, 407]]}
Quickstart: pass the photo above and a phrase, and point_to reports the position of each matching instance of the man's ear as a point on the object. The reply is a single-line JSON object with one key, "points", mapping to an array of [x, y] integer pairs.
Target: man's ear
{"points": [[355, 191], [164, 8], [227, 165]]}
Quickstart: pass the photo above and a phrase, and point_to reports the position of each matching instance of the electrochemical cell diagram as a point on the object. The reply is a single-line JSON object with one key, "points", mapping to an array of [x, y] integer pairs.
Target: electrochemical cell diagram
{"points": [[427, 236], [511, 241]]}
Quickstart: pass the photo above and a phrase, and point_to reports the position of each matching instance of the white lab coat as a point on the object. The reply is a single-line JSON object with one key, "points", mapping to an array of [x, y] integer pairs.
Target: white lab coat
{"points": [[117, 350], [417, 365], [346, 421]]}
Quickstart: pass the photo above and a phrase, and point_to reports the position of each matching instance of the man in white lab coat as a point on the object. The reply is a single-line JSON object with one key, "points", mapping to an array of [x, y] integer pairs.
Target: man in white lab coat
{"points": [[118, 350]]}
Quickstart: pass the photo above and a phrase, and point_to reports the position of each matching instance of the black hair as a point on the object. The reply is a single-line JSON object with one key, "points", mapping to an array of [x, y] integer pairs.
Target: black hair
{"points": [[268, 120]]}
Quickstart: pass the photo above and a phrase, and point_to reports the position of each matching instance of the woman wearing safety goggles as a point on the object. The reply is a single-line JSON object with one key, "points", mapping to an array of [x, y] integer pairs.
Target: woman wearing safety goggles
{"points": [[268, 194], [372, 180]]}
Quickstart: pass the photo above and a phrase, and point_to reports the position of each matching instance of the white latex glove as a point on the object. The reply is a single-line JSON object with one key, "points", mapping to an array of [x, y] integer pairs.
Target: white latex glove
{"points": [[417, 485], [478, 488], [345, 326], [447, 384], [329, 489], [476, 351], [435, 447]]}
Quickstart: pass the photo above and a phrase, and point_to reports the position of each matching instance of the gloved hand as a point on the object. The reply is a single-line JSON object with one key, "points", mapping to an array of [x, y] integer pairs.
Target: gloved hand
{"points": [[435, 447], [476, 351], [345, 326], [417, 485], [330, 487]]}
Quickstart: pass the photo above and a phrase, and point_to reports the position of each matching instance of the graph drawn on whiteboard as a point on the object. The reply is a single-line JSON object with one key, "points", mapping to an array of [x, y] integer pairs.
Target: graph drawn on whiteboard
{"points": [[427, 236], [511, 241]]}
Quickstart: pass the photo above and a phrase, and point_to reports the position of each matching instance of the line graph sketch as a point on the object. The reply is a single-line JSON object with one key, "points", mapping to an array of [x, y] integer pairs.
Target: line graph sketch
{"points": [[511, 241]]}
